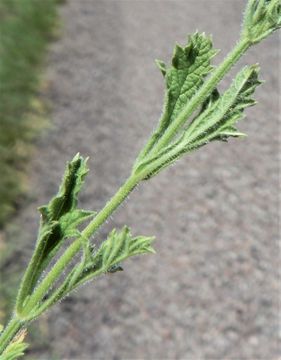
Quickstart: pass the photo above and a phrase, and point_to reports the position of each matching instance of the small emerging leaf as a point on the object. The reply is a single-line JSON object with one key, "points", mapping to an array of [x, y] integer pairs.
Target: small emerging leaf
{"points": [[262, 17], [118, 247], [66, 199], [16, 348]]}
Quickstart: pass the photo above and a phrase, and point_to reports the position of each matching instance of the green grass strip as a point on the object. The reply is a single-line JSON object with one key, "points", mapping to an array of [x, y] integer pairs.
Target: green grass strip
{"points": [[26, 27]]}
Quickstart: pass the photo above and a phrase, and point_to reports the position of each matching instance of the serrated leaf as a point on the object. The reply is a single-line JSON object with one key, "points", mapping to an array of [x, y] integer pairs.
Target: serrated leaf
{"points": [[60, 220], [190, 65], [118, 247], [216, 120], [66, 199]]}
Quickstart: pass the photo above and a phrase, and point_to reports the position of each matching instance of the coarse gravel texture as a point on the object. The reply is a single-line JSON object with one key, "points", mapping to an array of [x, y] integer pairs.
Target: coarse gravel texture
{"points": [[211, 292]]}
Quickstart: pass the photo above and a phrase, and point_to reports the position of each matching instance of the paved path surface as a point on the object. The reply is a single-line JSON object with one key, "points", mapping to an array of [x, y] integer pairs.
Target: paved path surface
{"points": [[211, 290]]}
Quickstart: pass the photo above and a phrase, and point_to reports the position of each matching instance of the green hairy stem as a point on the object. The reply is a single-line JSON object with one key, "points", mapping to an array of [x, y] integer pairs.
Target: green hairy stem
{"points": [[191, 88]]}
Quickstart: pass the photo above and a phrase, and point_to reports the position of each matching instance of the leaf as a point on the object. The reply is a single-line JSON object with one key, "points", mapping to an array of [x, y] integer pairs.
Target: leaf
{"points": [[209, 101], [60, 220], [66, 199], [118, 247], [106, 259], [190, 65], [216, 120], [262, 17], [70, 221], [16, 348]]}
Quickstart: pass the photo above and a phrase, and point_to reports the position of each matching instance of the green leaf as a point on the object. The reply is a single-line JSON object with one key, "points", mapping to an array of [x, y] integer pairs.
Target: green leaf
{"points": [[70, 221], [190, 65], [66, 199], [60, 220], [215, 121], [16, 348], [262, 17], [118, 247], [209, 101]]}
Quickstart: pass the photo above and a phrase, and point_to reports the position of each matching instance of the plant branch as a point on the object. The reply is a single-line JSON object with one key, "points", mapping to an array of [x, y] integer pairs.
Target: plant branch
{"points": [[57, 270], [203, 93]]}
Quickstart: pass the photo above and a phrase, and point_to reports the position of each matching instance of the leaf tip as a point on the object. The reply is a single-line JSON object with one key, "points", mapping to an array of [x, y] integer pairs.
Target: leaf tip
{"points": [[161, 66]]}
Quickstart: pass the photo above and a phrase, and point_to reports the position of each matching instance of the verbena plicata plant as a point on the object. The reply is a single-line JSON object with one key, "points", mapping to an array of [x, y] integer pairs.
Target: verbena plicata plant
{"points": [[194, 114]]}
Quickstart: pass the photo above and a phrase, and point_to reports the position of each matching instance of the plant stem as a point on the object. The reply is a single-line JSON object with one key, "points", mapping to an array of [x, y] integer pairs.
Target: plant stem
{"points": [[65, 259], [32, 306], [241, 47], [132, 181], [72, 250], [9, 333], [30, 275]]}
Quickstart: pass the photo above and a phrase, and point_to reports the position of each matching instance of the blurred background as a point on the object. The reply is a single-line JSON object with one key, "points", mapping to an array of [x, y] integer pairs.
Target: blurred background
{"points": [[79, 75]]}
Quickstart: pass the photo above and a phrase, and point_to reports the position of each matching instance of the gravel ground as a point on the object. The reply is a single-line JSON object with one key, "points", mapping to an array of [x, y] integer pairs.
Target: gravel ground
{"points": [[211, 292]]}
